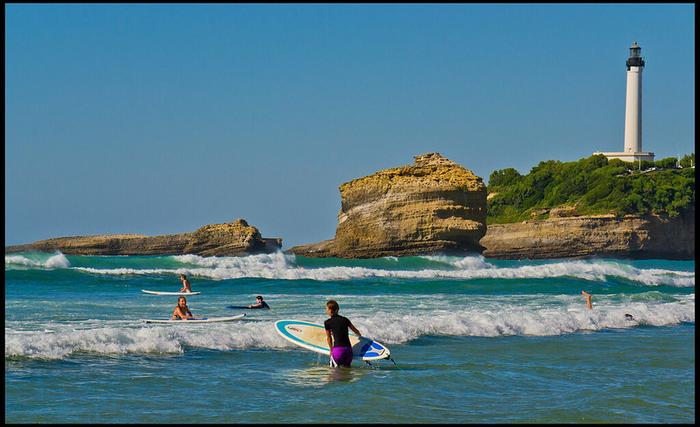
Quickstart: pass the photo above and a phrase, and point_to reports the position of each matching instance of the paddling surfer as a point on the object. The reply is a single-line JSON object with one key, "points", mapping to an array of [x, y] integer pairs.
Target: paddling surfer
{"points": [[181, 311], [337, 335], [186, 287], [259, 303]]}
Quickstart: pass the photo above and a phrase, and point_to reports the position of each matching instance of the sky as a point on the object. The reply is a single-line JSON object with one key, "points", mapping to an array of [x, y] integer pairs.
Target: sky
{"points": [[159, 119]]}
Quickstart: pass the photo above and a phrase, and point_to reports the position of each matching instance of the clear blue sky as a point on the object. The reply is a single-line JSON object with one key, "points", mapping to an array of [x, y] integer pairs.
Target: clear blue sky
{"points": [[159, 119]]}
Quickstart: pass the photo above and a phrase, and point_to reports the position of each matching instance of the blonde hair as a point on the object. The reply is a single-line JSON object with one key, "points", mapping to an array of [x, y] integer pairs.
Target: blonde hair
{"points": [[333, 306]]}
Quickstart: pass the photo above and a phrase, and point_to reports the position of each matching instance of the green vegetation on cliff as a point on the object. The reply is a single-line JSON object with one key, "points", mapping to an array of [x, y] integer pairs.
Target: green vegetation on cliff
{"points": [[593, 185]]}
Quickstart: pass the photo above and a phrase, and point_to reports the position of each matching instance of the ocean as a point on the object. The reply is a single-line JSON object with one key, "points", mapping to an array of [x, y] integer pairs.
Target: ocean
{"points": [[473, 340]]}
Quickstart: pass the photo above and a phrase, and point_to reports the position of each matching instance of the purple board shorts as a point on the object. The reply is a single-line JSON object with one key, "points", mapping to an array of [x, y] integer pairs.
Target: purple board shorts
{"points": [[342, 355]]}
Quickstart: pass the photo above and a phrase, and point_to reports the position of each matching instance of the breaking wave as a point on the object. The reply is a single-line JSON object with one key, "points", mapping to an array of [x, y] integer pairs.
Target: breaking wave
{"points": [[284, 267], [504, 317], [49, 261]]}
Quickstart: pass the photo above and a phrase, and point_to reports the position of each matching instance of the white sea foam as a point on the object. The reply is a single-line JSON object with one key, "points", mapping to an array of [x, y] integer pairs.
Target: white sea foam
{"points": [[465, 263], [515, 319], [544, 315], [282, 266], [112, 340], [57, 260]]}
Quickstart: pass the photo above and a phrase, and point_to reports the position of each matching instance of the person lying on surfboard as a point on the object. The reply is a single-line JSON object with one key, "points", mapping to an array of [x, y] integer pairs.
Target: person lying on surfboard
{"points": [[181, 311], [260, 303], [337, 335], [186, 287]]}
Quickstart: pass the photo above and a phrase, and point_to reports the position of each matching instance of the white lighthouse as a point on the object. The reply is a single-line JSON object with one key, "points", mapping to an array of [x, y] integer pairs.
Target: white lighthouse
{"points": [[633, 111]]}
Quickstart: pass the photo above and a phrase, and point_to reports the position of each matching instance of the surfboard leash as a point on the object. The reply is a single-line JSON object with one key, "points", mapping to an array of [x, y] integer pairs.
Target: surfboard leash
{"points": [[395, 364]]}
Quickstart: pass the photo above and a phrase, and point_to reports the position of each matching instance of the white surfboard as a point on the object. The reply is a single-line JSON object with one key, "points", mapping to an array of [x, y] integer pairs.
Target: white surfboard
{"points": [[312, 336], [198, 319], [170, 293]]}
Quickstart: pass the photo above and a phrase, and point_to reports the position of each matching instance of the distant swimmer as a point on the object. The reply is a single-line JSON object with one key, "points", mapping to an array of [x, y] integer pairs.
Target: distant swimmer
{"points": [[260, 303], [629, 316], [186, 287], [337, 335], [181, 311], [588, 299]]}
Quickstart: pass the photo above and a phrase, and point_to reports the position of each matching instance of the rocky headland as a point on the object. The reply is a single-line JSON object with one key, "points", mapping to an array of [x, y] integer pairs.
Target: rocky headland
{"points": [[236, 238], [432, 206], [566, 235], [437, 206]]}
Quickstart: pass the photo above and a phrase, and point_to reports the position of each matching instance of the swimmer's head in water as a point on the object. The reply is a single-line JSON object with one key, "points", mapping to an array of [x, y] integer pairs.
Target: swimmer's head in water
{"points": [[629, 316], [332, 306], [259, 298]]}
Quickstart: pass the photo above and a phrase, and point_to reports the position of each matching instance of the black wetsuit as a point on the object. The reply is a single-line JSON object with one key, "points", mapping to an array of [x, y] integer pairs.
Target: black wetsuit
{"points": [[338, 325], [263, 304], [341, 352]]}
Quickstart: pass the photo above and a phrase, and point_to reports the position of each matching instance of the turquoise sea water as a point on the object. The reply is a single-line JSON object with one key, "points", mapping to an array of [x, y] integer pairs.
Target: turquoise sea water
{"points": [[474, 340]]}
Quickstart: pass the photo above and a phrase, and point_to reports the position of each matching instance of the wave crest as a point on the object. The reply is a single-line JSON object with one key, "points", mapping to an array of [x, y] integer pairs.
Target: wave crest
{"points": [[56, 260], [283, 266]]}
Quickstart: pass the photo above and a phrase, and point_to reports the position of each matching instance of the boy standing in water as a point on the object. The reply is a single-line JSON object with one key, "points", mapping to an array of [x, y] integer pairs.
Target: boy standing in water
{"points": [[337, 335], [588, 299]]}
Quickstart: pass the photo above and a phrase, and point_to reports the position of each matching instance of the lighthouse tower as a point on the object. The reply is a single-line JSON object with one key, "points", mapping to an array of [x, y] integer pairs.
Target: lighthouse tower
{"points": [[633, 105], [633, 111]]}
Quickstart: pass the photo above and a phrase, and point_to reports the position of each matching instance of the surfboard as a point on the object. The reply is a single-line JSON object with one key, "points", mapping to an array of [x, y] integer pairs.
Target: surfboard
{"points": [[198, 319], [238, 307], [170, 293], [312, 336]]}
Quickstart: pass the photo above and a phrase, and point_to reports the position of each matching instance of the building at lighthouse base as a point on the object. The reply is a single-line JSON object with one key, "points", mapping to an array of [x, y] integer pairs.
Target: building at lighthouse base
{"points": [[627, 156]]}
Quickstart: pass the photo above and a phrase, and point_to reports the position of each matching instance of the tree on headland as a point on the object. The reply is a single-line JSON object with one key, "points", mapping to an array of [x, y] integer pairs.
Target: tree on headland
{"points": [[592, 185], [688, 160]]}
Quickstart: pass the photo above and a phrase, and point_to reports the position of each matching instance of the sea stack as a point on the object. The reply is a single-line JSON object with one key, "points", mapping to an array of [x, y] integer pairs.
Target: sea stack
{"points": [[433, 206]]}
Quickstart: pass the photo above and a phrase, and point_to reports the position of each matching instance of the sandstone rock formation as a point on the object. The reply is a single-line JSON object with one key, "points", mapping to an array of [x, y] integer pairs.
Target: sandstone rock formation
{"points": [[566, 236], [229, 239], [433, 206]]}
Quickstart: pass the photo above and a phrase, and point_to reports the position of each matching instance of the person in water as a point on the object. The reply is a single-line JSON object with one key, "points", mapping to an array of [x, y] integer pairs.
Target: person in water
{"points": [[337, 335], [588, 299], [181, 311], [186, 287], [260, 303]]}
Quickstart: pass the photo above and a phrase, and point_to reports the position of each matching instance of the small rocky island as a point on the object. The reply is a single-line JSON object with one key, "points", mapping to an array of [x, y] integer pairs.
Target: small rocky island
{"points": [[235, 238], [432, 206]]}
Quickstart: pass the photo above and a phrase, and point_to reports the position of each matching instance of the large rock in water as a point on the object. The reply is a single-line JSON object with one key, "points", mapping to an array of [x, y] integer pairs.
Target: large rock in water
{"points": [[230, 239], [433, 206], [630, 236]]}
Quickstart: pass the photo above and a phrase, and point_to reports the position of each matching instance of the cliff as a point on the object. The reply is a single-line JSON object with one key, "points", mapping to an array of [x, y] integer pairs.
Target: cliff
{"points": [[229, 239], [565, 235], [434, 205]]}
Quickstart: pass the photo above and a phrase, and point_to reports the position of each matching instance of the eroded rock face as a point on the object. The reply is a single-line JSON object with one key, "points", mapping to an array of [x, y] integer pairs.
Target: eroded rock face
{"points": [[434, 205], [631, 236], [228, 239]]}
